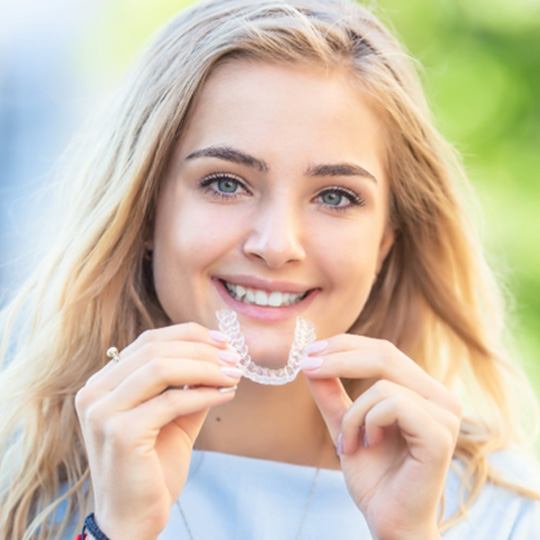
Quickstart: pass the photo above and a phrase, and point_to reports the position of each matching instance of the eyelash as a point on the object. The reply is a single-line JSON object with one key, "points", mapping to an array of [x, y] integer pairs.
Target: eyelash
{"points": [[354, 199]]}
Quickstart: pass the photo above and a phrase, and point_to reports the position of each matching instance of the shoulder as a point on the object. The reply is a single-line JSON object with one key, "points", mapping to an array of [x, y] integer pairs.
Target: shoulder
{"points": [[517, 467], [497, 512]]}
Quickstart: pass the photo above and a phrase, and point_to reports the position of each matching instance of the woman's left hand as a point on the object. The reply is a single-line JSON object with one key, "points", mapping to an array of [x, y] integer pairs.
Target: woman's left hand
{"points": [[410, 423]]}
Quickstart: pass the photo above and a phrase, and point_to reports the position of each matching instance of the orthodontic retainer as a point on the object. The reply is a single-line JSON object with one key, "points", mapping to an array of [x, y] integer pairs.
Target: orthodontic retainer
{"points": [[304, 333]]}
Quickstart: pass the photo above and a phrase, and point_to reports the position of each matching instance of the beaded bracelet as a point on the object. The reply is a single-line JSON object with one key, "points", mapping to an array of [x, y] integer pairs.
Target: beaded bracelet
{"points": [[92, 527]]}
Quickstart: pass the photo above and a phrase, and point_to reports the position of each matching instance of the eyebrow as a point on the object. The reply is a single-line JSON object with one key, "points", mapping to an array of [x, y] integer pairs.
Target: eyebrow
{"points": [[234, 155]]}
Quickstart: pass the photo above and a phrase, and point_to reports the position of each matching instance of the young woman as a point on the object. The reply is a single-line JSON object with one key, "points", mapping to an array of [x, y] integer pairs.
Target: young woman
{"points": [[276, 159]]}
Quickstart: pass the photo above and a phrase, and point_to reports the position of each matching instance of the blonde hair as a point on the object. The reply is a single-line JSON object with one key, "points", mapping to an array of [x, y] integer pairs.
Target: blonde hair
{"points": [[435, 297]]}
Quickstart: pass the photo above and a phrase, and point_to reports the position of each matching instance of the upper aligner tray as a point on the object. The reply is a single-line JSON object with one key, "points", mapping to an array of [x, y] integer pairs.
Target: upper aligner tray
{"points": [[304, 333]]}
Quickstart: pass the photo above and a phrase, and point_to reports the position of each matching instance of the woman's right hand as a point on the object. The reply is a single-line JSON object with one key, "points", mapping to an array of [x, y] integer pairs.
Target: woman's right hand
{"points": [[139, 425]]}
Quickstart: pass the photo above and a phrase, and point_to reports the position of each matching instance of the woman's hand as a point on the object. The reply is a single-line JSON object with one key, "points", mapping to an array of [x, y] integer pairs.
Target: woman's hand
{"points": [[139, 425], [409, 421]]}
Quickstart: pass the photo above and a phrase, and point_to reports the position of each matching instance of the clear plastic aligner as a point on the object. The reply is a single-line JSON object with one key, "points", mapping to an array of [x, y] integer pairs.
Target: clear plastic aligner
{"points": [[304, 333]]}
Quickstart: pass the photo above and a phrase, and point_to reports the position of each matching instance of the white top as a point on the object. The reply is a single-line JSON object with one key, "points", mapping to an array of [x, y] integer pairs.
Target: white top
{"points": [[230, 497]]}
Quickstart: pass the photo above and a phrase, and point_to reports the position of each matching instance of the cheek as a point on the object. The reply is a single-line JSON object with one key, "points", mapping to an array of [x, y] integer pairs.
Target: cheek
{"points": [[349, 252], [353, 274], [348, 258], [347, 261], [195, 231]]}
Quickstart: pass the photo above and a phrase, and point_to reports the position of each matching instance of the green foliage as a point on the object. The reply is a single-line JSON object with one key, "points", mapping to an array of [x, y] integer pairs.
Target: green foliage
{"points": [[481, 68]]}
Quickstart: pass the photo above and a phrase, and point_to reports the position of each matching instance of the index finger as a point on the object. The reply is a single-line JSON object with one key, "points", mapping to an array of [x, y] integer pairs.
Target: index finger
{"points": [[188, 331], [359, 357], [188, 340]]}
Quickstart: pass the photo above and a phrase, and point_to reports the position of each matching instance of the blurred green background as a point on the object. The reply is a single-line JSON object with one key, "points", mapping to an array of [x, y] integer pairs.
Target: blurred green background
{"points": [[481, 70]]}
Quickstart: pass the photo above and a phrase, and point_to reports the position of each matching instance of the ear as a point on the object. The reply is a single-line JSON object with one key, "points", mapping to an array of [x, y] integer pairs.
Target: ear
{"points": [[387, 241]]}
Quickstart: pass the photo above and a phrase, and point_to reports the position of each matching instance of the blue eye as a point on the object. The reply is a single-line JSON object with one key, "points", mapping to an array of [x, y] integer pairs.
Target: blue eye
{"points": [[338, 194], [227, 185]]}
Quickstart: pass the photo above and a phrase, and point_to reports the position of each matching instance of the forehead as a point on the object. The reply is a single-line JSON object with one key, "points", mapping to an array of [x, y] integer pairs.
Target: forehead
{"points": [[272, 108]]}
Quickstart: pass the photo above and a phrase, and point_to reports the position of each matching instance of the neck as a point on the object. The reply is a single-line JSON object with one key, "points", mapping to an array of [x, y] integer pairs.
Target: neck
{"points": [[278, 423]]}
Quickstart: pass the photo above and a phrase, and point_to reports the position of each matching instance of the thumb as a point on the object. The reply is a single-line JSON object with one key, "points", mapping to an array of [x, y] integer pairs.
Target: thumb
{"points": [[332, 400]]}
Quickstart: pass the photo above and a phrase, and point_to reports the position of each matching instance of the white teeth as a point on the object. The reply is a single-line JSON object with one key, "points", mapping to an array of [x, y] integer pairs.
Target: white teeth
{"points": [[262, 298], [240, 291], [276, 299]]}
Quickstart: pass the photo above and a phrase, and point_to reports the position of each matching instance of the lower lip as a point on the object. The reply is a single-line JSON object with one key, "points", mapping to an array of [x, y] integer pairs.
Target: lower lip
{"points": [[264, 313]]}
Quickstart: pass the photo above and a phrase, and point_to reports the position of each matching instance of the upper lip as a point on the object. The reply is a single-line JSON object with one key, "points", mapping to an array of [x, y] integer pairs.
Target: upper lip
{"points": [[265, 285]]}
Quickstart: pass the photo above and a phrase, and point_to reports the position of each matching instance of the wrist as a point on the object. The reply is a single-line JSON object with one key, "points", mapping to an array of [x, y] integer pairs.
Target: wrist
{"points": [[424, 534], [114, 530]]}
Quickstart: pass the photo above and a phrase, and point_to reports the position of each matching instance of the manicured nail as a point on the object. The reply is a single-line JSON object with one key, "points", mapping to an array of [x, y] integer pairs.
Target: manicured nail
{"points": [[339, 444], [227, 389], [310, 363], [220, 337], [315, 347], [229, 357], [235, 373], [365, 442]]}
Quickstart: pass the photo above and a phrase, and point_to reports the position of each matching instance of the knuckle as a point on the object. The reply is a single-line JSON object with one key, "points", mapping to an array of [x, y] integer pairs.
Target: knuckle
{"points": [[172, 397], [447, 442], [388, 353], [442, 445], [80, 400], [93, 418], [193, 328], [368, 419], [149, 349], [114, 430], [158, 369], [147, 336], [381, 388], [383, 357], [395, 402], [84, 398], [387, 346], [381, 366], [455, 424]]}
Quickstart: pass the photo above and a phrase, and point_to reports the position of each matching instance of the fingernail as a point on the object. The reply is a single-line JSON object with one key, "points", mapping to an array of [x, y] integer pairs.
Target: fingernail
{"points": [[365, 442], [315, 347], [235, 373], [227, 389], [339, 444], [220, 337], [310, 363], [229, 357]]}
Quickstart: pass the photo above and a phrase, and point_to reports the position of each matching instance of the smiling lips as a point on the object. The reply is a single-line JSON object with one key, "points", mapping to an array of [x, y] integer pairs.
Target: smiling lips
{"points": [[262, 298], [268, 305], [261, 292]]}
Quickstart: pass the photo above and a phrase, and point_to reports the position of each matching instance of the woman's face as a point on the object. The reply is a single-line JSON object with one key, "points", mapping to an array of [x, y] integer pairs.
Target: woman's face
{"points": [[278, 177]]}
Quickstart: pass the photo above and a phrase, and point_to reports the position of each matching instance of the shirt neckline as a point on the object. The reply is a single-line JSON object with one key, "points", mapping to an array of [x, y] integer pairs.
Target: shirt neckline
{"points": [[212, 454]]}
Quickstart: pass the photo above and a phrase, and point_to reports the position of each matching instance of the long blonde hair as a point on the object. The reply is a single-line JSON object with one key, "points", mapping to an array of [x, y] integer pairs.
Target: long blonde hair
{"points": [[435, 297]]}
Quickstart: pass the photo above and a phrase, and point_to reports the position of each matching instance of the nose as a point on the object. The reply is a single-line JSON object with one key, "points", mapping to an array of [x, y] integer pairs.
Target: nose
{"points": [[276, 235]]}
